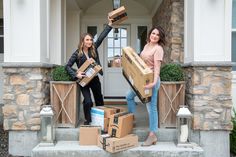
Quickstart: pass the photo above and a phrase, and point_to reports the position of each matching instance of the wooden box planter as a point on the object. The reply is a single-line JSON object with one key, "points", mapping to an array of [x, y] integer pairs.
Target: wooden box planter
{"points": [[65, 99], [171, 96]]}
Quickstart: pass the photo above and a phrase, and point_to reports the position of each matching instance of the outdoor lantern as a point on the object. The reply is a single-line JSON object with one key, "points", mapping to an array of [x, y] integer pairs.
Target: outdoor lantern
{"points": [[184, 118], [47, 126], [116, 4]]}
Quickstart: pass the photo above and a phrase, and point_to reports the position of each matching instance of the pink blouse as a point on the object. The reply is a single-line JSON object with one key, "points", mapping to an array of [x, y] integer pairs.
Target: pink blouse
{"points": [[151, 55]]}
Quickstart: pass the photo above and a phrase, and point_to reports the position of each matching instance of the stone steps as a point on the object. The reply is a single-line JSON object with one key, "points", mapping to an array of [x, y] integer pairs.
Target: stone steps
{"points": [[72, 134], [73, 149]]}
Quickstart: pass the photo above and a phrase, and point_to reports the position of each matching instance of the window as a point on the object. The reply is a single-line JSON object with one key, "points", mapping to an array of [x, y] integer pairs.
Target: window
{"points": [[93, 31], [142, 36], [116, 40], [1, 36], [234, 34]]}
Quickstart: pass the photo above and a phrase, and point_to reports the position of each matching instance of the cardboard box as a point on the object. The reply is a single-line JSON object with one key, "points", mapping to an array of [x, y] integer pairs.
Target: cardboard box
{"points": [[121, 124], [108, 111], [88, 134], [118, 15], [137, 73], [106, 124], [113, 145], [90, 69], [97, 116]]}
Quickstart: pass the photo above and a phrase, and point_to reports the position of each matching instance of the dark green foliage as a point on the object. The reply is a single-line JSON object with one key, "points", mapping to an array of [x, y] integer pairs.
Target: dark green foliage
{"points": [[233, 135], [60, 74], [172, 72]]}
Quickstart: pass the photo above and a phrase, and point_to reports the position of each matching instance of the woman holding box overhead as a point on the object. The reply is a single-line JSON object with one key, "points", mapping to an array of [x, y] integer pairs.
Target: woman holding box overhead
{"points": [[87, 49], [152, 55]]}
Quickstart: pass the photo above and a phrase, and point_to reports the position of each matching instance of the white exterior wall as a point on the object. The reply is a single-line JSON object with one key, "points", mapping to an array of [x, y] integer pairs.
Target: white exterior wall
{"points": [[207, 30], [24, 20]]}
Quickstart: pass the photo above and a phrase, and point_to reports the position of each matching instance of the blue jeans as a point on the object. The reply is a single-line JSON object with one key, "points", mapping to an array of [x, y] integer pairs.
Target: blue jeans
{"points": [[151, 106]]}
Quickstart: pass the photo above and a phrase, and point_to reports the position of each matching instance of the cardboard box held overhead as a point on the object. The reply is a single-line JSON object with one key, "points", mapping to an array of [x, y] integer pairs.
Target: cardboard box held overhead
{"points": [[118, 15], [137, 73], [121, 124], [90, 70], [113, 145], [88, 135]]}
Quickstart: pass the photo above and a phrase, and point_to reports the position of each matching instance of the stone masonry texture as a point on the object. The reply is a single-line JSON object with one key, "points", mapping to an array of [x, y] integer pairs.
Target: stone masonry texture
{"points": [[25, 90], [208, 94], [170, 16]]}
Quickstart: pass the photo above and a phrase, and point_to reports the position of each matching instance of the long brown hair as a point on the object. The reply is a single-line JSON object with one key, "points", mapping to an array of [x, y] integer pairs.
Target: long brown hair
{"points": [[81, 44], [162, 40]]}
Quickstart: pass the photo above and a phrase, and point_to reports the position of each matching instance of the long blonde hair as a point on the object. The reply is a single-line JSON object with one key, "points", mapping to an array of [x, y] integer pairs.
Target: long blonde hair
{"points": [[81, 44]]}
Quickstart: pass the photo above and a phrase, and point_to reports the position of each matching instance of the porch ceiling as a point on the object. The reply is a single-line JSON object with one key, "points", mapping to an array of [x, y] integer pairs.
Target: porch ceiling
{"points": [[149, 4]]}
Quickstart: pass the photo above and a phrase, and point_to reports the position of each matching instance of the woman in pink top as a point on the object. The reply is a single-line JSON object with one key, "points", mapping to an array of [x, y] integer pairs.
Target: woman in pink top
{"points": [[152, 55]]}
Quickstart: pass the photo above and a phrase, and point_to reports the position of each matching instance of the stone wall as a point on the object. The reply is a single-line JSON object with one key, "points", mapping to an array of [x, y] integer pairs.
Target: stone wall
{"points": [[170, 16], [25, 90], [208, 93]]}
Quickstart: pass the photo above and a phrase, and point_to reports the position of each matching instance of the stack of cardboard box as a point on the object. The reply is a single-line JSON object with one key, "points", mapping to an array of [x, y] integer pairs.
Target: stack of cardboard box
{"points": [[119, 128]]}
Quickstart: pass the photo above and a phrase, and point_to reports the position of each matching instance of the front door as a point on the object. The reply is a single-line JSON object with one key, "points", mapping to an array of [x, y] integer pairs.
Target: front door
{"points": [[115, 85]]}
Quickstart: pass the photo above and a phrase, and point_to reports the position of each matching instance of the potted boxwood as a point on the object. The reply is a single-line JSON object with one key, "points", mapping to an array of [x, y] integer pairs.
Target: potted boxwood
{"points": [[64, 98], [171, 94]]}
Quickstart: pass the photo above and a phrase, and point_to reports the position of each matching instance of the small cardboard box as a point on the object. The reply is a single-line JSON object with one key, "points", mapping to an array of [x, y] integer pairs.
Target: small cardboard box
{"points": [[97, 116], [121, 124], [90, 70], [118, 15], [108, 111], [88, 134], [137, 73], [113, 145]]}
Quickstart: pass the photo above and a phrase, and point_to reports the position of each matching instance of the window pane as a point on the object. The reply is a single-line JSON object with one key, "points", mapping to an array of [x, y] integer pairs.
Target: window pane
{"points": [[234, 14], [142, 36], [110, 34], [234, 49], [117, 42], [123, 32], [110, 52], [117, 52], [110, 42], [1, 45], [123, 42], [93, 31]]}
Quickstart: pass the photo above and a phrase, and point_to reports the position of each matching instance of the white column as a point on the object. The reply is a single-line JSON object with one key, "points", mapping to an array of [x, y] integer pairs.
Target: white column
{"points": [[57, 31], [207, 30], [25, 31]]}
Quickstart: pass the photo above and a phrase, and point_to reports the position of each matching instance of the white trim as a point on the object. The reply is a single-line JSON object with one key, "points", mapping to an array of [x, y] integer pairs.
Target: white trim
{"points": [[234, 30], [48, 30], [228, 33], [7, 28]]}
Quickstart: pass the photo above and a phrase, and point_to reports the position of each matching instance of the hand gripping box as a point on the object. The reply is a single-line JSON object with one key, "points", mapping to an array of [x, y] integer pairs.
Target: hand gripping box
{"points": [[118, 15], [137, 73], [121, 124], [90, 70], [113, 145]]}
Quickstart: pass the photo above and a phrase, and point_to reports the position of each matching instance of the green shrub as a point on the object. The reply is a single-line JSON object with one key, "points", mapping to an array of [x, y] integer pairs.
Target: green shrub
{"points": [[60, 74], [171, 72], [233, 135]]}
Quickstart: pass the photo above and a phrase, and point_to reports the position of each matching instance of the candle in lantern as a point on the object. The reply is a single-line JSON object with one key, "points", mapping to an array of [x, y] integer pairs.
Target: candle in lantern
{"points": [[184, 133], [49, 134]]}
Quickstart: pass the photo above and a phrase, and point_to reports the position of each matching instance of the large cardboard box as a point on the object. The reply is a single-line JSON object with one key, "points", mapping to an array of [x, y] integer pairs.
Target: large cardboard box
{"points": [[118, 15], [121, 124], [90, 69], [113, 145], [88, 135], [101, 115], [137, 73]]}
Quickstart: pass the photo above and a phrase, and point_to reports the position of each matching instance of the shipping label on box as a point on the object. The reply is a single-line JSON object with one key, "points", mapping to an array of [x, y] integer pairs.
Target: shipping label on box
{"points": [[121, 124], [88, 134], [137, 73], [118, 15], [90, 69], [97, 116], [114, 145]]}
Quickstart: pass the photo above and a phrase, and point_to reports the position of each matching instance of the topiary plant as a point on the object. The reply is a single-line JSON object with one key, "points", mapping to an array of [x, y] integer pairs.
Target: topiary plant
{"points": [[233, 135], [60, 74], [172, 72]]}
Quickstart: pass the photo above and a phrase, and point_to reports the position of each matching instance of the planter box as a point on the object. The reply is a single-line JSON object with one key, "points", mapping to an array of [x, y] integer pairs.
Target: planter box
{"points": [[171, 96], [65, 99]]}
